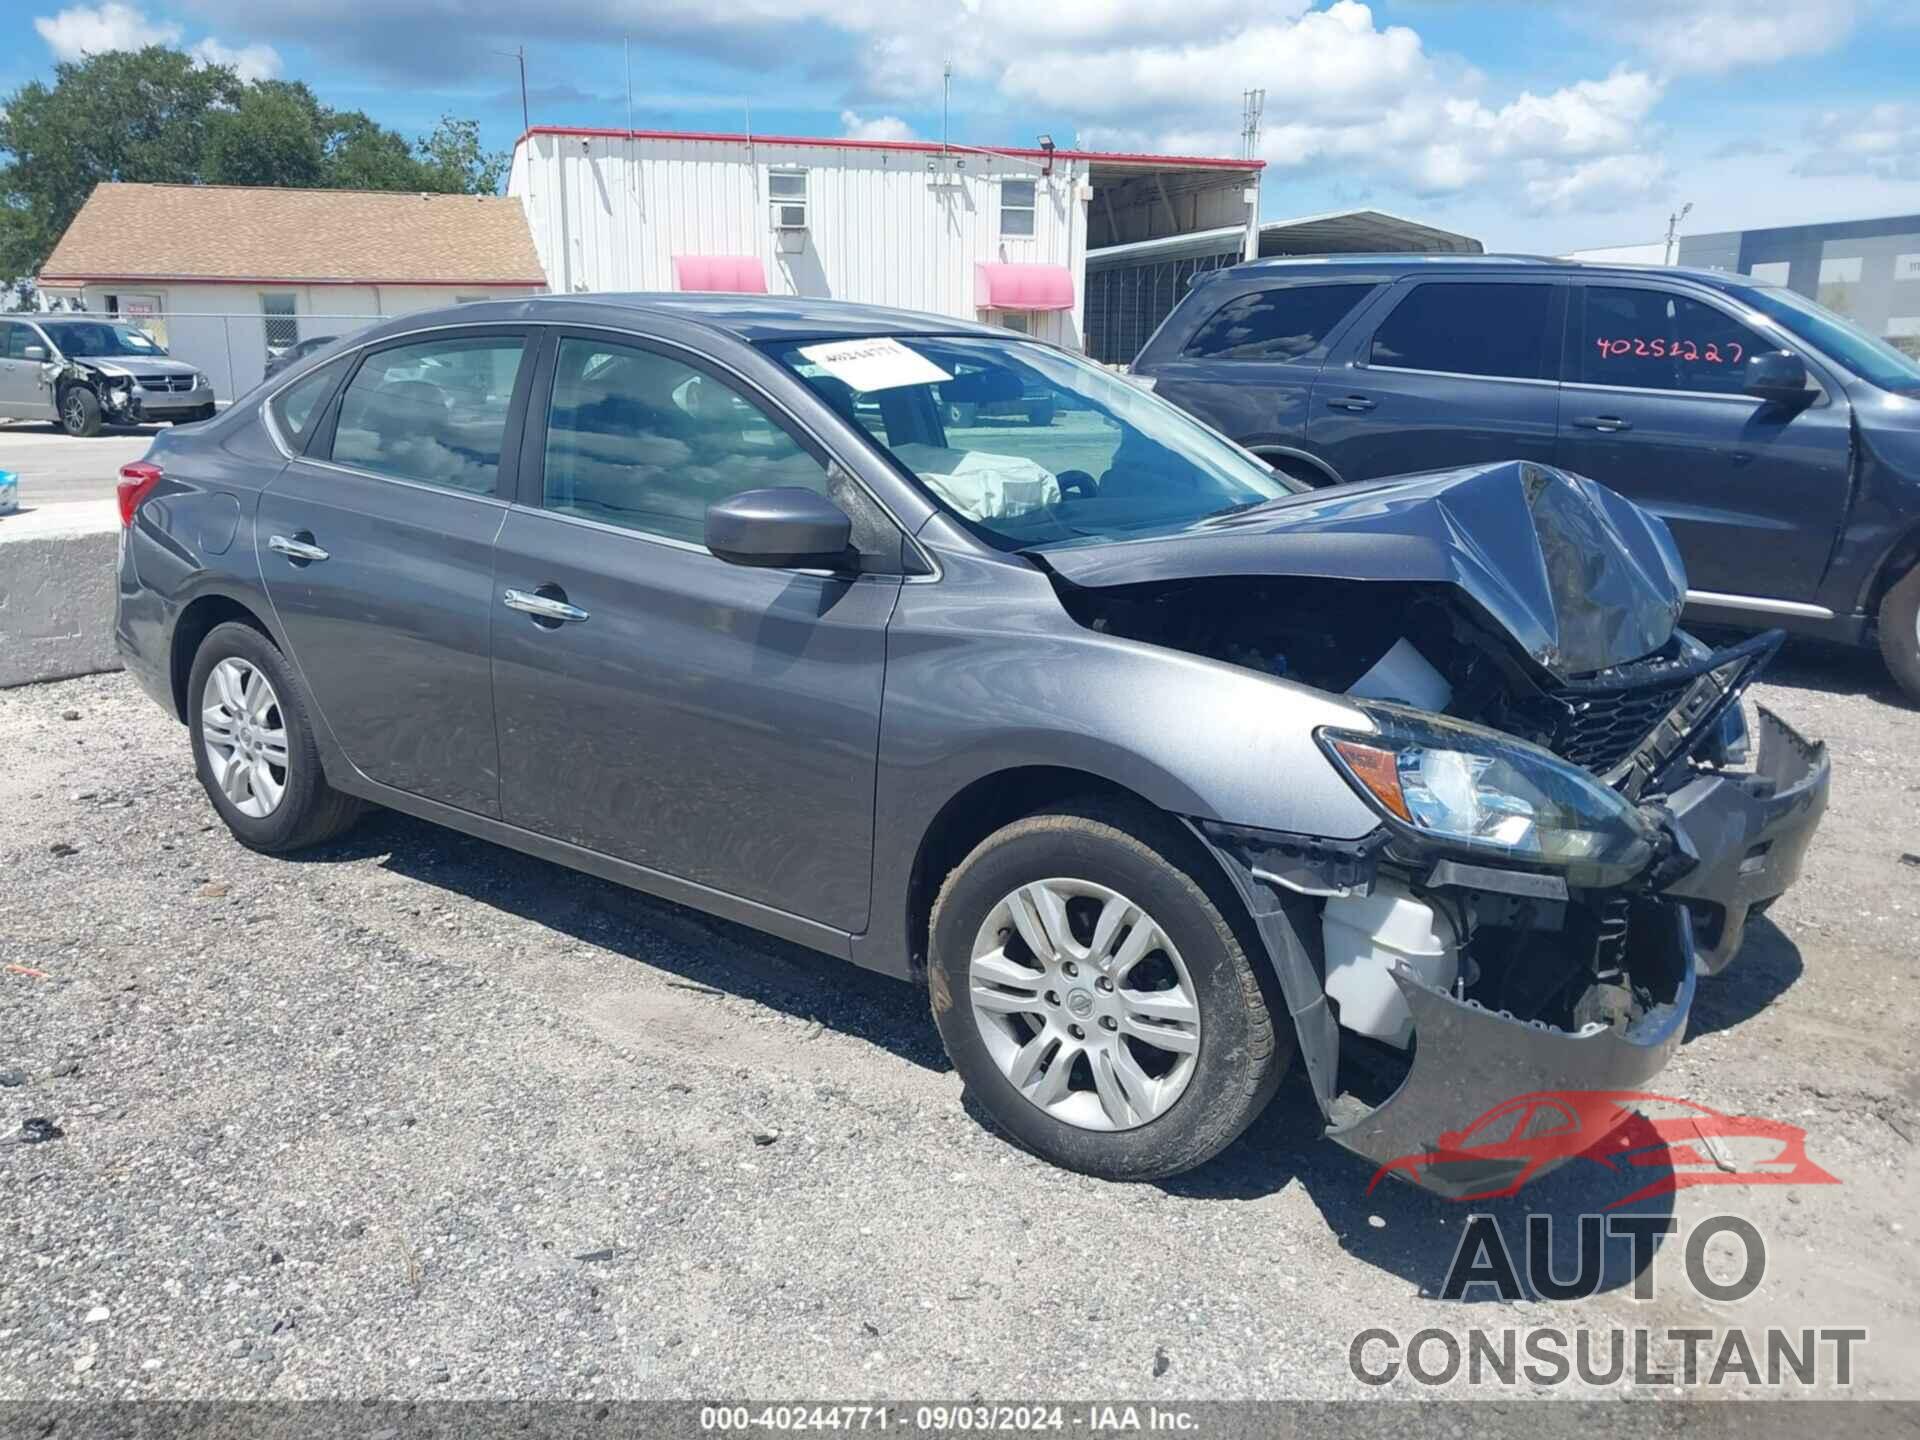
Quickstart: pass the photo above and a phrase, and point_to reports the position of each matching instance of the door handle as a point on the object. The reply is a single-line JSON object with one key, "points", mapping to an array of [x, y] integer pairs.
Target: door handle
{"points": [[1350, 402], [1607, 423], [541, 607], [295, 548]]}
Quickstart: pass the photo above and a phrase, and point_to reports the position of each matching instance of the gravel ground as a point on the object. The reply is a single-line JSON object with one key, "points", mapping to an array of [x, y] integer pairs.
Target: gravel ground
{"points": [[417, 1116]]}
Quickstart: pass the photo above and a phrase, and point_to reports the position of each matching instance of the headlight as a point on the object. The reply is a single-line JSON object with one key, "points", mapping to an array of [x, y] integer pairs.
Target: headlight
{"points": [[1456, 785]]}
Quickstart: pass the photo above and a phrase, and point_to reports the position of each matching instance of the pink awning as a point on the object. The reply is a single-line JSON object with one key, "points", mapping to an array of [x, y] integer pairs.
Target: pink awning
{"points": [[1022, 287], [735, 274]]}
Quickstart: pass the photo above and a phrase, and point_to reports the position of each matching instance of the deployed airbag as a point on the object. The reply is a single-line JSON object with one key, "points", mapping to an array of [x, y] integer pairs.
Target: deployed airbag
{"points": [[980, 484]]}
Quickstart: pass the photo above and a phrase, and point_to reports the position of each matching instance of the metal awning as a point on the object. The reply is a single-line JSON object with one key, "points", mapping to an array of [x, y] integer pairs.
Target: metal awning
{"points": [[999, 286], [729, 274], [1227, 240], [1362, 232]]}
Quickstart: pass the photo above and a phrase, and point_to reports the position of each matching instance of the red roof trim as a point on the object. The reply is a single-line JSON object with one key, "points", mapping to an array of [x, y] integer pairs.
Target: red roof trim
{"points": [[918, 147], [276, 280]]}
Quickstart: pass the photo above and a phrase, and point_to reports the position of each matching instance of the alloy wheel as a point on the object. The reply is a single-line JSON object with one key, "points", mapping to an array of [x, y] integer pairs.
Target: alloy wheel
{"points": [[1084, 1003], [244, 733]]}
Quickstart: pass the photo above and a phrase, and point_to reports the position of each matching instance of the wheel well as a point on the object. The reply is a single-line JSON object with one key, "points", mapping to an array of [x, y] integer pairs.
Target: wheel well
{"points": [[1899, 562], [193, 626], [975, 813]]}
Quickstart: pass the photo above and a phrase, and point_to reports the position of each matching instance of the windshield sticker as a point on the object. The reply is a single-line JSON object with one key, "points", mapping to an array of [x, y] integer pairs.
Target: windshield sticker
{"points": [[874, 364]]}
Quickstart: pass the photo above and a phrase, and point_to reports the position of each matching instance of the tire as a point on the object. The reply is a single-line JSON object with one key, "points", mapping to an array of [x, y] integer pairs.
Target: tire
{"points": [[1900, 633], [1148, 864], [79, 412], [306, 811]]}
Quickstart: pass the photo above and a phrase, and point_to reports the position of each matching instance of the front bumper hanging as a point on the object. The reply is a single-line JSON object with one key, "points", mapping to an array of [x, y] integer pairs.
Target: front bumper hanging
{"points": [[1745, 835]]}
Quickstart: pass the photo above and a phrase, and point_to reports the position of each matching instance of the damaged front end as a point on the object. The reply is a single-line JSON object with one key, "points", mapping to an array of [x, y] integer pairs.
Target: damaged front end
{"points": [[1570, 829], [113, 387]]}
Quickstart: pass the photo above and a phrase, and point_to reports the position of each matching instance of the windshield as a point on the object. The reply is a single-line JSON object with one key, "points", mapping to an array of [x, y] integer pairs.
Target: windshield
{"points": [[1026, 444], [98, 338], [1873, 360]]}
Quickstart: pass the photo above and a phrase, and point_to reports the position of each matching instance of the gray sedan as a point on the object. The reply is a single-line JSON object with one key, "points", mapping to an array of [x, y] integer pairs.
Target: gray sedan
{"points": [[1152, 768]]}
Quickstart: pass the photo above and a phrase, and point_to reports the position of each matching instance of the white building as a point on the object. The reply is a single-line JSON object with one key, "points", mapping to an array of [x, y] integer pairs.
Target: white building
{"points": [[996, 234], [227, 276]]}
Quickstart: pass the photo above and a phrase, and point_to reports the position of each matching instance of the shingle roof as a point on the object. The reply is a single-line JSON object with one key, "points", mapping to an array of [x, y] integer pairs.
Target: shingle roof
{"points": [[219, 232]]}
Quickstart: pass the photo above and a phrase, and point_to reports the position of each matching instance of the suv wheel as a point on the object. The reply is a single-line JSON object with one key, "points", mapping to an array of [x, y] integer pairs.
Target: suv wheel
{"points": [[1095, 998], [253, 745], [80, 411], [1900, 633]]}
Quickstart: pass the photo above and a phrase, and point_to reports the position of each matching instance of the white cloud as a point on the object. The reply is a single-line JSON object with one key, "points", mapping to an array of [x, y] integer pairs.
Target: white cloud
{"points": [[77, 33], [81, 31], [880, 127], [1604, 184], [1880, 140], [1712, 37], [253, 62]]}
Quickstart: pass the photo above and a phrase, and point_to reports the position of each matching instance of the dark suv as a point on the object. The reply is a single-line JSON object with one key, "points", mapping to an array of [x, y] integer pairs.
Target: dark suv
{"points": [[1780, 443]]}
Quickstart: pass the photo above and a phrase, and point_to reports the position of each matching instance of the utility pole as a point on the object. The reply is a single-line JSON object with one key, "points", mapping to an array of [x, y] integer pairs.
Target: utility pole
{"points": [[519, 52], [1673, 230]]}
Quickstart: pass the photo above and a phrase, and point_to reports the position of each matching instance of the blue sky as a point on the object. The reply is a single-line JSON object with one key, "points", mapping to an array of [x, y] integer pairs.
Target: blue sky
{"points": [[1540, 126]]}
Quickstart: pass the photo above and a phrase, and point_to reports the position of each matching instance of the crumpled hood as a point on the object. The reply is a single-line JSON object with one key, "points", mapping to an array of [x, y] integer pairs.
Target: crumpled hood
{"points": [[1581, 578]]}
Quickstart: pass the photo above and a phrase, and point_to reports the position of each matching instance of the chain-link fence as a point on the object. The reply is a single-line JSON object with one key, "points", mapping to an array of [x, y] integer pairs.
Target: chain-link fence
{"points": [[234, 350]]}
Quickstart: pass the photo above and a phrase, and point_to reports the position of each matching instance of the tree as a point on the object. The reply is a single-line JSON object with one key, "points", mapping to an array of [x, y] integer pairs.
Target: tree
{"points": [[157, 115], [453, 156], [273, 136], [127, 115], [362, 155]]}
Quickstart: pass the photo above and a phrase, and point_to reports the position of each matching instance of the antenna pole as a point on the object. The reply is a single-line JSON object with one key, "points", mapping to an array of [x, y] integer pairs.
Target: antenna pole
{"points": [[946, 94], [626, 51]]}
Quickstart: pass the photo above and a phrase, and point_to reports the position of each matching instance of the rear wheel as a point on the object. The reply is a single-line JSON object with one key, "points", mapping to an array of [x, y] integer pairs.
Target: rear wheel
{"points": [[1900, 633], [253, 745], [80, 411], [1095, 998]]}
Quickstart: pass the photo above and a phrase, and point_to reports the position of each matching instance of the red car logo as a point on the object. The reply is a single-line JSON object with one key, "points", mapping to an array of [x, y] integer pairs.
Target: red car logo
{"points": [[1624, 1130]]}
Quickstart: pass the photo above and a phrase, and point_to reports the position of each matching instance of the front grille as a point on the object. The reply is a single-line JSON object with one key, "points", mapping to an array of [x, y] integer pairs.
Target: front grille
{"points": [[1601, 728], [166, 382]]}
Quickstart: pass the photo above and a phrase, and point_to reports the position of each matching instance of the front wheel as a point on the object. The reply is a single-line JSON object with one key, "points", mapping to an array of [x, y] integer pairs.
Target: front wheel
{"points": [[1095, 997], [1900, 633], [80, 412], [253, 745]]}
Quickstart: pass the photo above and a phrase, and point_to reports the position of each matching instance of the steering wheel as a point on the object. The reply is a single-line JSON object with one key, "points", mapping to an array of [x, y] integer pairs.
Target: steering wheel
{"points": [[1077, 482]]}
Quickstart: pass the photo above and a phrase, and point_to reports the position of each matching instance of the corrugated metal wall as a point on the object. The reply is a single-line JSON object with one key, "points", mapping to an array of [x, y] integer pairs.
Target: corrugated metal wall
{"points": [[884, 227], [1125, 303]]}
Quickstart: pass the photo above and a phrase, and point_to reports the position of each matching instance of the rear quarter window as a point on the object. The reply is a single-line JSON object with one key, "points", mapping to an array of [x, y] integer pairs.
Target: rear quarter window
{"points": [[297, 407], [1285, 323]]}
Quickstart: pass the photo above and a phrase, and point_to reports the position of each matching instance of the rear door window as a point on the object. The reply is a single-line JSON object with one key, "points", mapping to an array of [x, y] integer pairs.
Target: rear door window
{"points": [[434, 412], [1469, 329], [1281, 324], [1659, 340]]}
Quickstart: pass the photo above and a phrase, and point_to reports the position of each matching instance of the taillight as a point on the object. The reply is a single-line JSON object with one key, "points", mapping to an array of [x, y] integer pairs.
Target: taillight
{"points": [[136, 481]]}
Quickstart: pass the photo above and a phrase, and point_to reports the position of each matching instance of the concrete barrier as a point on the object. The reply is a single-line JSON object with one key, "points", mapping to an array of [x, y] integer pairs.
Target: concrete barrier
{"points": [[56, 591]]}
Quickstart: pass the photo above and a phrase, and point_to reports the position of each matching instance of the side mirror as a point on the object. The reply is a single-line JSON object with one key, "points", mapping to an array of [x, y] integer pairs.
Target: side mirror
{"points": [[1778, 376], [34, 352], [788, 527]]}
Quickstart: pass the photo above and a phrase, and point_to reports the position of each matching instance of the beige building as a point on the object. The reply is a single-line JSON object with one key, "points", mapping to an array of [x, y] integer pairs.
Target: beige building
{"points": [[229, 276]]}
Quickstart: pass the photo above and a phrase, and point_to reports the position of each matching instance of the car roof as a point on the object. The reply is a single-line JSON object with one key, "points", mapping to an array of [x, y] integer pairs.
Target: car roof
{"points": [[1279, 265], [762, 317]]}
